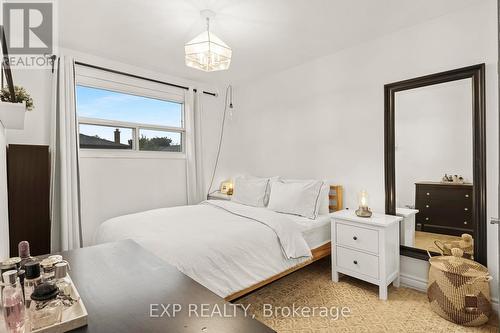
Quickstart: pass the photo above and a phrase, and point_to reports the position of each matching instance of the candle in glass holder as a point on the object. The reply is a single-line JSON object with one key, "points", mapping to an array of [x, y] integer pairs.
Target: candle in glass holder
{"points": [[363, 210]]}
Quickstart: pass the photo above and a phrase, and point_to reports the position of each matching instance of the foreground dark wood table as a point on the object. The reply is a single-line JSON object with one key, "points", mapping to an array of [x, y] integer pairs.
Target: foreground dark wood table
{"points": [[119, 281]]}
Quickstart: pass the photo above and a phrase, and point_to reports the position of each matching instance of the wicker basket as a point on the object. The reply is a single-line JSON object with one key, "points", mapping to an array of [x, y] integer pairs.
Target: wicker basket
{"points": [[459, 290], [466, 244]]}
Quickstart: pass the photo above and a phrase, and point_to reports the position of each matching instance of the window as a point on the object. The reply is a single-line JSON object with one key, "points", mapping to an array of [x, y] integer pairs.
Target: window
{"points": [[105, 137], [123, 116]]}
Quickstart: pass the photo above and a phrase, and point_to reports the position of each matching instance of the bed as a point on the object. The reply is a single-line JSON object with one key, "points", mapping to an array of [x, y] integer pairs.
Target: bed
{"points": [[231, 249]]}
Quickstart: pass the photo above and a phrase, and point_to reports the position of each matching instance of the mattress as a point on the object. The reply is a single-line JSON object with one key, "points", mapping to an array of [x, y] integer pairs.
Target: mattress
{"points": [[225, 246], [316, 232]]}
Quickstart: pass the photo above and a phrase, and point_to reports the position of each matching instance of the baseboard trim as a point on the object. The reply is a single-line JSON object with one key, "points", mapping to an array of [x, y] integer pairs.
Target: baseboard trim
{"points": [[413, 282], [494, 305], [420, 284]]}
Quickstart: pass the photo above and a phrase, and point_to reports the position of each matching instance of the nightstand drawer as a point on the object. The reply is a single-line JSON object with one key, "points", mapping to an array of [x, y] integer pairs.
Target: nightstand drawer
{"points": [[357, 237], [358, 262]]}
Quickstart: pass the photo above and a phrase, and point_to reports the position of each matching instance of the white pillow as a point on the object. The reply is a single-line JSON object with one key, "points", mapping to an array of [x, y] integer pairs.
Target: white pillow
{"points": [[323, 208], [250, 191], [272, 180], [324, 200], [297, 198]]}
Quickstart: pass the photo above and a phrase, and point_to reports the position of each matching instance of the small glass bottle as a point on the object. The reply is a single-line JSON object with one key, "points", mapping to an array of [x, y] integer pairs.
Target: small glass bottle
{"points": [[62, 279], [31, 280], [7, 267], [21, 274], [13, 261], [48, 266], [24, 253], [45, 308], [13, 303]]}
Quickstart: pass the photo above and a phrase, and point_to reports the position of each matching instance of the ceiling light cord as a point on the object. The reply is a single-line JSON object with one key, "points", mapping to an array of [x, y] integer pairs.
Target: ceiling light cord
{"points": [[228, 101]]}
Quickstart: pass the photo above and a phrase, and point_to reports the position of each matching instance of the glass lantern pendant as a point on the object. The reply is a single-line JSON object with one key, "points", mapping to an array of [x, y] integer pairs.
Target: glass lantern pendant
{"points": [[207, 52]]}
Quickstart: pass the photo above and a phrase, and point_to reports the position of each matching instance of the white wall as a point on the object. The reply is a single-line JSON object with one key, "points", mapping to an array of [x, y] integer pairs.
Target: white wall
{"points": [[325, 119], [433, 136], [117, 186], [211, 120], [4, 213]]}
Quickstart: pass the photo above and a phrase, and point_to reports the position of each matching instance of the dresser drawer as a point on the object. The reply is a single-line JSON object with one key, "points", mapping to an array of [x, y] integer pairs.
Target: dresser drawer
{"points": [[357, 237], [358, 262]]}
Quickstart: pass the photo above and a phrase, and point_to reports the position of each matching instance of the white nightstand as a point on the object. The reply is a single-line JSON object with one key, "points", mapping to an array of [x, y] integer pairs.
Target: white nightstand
{"points": [[366, 248], [218, 196]]}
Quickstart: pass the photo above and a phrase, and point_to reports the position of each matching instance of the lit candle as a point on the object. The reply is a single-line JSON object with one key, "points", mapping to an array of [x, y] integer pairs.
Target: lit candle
{"points": [[363, 210], [364, 199]]}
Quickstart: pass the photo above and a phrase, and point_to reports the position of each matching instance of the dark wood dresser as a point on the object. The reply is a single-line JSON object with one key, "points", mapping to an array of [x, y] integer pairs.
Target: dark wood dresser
{"points": [[444, 208], [28, 179]]}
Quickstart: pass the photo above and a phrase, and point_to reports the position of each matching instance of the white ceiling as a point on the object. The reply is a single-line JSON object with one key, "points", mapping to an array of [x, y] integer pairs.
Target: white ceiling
{"points": [[265, 35]]}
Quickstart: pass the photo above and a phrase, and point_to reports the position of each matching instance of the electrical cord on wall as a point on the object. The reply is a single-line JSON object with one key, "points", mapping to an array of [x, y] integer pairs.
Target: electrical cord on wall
{"points": [[227, 103]]}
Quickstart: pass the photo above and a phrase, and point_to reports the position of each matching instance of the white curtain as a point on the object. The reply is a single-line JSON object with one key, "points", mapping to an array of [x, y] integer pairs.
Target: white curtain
{"points": [[65, 196], [194, 167]]}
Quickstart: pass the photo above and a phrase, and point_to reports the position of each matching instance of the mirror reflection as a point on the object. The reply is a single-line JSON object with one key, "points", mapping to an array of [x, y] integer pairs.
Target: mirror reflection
{"points": [[434, 166]]}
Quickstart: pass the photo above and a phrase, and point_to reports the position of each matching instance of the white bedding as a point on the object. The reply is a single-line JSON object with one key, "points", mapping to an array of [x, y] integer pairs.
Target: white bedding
{"points": [[225, 246], [316, 232]]}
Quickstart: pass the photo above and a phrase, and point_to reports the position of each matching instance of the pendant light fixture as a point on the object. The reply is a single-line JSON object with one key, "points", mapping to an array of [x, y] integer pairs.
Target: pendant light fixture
{"points": [[207, 52]]}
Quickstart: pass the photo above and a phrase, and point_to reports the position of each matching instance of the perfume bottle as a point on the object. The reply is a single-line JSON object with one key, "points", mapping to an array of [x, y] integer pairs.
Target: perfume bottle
{"points": [[21, 275], [13, 261], [31, 280], [24, 253], [13, 303], [45, 308], [62, 279], [48, 266], [7, 267], [4, 268]]}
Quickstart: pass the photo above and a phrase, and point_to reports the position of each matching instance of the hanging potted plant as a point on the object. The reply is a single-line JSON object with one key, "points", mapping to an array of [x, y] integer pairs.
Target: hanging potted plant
{"points": [[13, 108]]}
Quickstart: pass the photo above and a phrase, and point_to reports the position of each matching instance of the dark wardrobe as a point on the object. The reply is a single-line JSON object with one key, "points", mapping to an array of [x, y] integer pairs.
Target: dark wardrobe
{"points": [[28, 177]]}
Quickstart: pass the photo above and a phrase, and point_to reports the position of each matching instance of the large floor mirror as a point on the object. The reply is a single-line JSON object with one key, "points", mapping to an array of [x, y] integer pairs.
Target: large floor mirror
{"points": [[435, 159]]}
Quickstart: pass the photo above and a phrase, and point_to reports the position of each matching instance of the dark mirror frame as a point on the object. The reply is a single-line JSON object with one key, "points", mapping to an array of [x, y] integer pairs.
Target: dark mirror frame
{"points": [[477, 74]]}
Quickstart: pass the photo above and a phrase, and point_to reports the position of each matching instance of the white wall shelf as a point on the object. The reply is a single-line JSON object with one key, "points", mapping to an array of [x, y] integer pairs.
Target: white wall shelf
{"points": [[12, 115]]}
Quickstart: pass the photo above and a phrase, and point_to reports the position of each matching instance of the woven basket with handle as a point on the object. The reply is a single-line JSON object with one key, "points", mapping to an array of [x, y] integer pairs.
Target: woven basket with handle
{"points": [[466, 244], [459, 290]]}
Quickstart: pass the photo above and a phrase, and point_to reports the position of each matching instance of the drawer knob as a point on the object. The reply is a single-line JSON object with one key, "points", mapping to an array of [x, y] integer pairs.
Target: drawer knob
{"points": [[466, 195], [465, 222], [355, 262], [355, 238], [428, 193], [426, 206], [427, 219], [466, 209]]}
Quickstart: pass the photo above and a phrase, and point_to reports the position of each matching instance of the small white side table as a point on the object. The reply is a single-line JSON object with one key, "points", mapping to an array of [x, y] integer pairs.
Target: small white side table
{"points": [[218, 196], [366, 248]]}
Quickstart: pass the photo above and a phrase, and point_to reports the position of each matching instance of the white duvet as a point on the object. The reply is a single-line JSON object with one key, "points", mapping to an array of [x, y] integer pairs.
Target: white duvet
{"points": [[224, 246]]}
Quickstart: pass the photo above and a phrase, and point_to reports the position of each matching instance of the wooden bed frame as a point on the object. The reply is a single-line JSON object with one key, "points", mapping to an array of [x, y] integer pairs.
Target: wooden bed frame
{"points": [[336, 202]]}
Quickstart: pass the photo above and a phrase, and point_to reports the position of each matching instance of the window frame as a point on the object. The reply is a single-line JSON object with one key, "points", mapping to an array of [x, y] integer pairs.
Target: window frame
{"points": [[99, 79]]}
